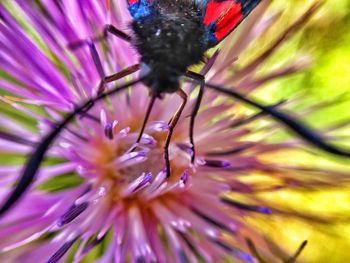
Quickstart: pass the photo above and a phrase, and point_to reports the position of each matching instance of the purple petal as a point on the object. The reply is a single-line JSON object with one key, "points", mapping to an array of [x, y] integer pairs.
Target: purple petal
{"points": [[62, 251], [147, 178]]}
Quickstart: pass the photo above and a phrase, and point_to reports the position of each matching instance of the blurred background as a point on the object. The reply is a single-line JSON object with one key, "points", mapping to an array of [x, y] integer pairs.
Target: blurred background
{"points": [[321, 216]]}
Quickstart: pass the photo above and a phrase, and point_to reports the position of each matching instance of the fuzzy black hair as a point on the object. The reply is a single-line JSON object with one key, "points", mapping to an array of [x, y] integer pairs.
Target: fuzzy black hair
{"points": [[169, 41]]}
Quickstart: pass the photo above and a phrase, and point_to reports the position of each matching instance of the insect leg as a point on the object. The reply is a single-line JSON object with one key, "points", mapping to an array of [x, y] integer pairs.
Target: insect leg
{"points": [[172, 124], [148, 113], [296, 126], [116, 32], [108, 29], [201, 80], [37, 156], [106, 79], [121, 74]]}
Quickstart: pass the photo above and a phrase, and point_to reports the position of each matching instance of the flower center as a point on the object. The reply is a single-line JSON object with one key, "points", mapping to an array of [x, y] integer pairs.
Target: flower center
{"points": [[113, 158]]}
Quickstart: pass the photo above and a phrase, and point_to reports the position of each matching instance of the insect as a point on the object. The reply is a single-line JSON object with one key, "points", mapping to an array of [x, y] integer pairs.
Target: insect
{"points": [[170, 36]]}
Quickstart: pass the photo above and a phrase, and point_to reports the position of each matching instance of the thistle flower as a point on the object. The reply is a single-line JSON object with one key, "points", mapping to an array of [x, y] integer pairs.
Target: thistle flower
{"points": [[96, 189]]}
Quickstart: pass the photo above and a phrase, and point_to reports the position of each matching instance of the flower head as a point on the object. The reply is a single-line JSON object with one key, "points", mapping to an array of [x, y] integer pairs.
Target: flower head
{"points": [[99, 185]]}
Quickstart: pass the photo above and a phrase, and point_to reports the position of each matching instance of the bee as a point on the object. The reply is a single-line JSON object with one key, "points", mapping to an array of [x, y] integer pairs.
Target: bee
{"points": [[170, 36]]}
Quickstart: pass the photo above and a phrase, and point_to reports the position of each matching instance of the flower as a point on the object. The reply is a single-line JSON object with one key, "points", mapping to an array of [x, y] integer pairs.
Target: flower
{"points": [[98, 187]]}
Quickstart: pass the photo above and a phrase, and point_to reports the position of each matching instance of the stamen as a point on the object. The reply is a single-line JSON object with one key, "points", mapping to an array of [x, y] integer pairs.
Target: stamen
{"points": [[153, 190], [137, 185], [131, 158], [235, 251], [252, 208], [186, 148], [93, 243], [146, 179], [124, 131], [216, 163], [16, 139], [107, 126], [183, 179], [96, 58], [77, 135], [190, 244], [141, 260], [62, 251], [212, 221], [158, 126], [147, 139], [182, 257], [109, 131], [72, 213]]}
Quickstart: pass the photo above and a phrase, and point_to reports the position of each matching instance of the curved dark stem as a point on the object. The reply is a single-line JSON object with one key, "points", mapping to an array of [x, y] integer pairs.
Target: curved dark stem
{"points": [[148, 113], [35, 159], [16, 139], [301, 129]]}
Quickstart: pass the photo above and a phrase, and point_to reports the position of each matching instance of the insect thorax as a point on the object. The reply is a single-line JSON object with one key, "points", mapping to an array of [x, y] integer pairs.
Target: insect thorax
{"points": [[169, 41]]}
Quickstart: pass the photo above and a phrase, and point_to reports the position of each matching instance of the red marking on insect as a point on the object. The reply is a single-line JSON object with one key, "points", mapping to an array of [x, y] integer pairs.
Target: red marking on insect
{"points": [[131, 2], [224, 15]]}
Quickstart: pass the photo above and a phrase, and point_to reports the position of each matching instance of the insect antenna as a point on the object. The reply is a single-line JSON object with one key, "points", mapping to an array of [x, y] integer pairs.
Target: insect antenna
{"points": [[37, 156], [295, 125]]}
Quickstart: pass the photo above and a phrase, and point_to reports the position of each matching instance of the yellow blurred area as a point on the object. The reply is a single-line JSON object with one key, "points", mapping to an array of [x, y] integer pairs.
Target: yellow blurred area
{"points": [[327, 241], [327, 39]]}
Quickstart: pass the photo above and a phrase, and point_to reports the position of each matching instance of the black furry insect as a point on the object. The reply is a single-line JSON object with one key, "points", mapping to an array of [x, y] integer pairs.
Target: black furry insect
{"points": [[170, 36]]}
